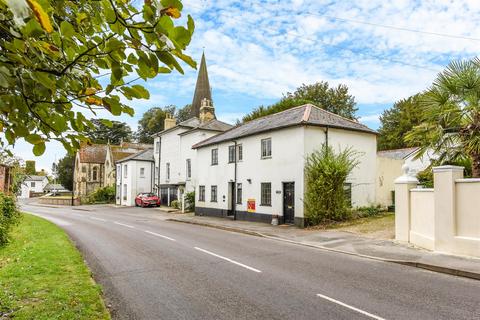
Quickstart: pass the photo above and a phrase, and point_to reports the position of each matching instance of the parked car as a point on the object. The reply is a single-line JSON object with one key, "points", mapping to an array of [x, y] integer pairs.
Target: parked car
{"points": [[147, 199]]}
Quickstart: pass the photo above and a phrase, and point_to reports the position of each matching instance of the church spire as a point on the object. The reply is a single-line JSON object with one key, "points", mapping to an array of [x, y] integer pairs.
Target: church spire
{"points": [[202, 89]]}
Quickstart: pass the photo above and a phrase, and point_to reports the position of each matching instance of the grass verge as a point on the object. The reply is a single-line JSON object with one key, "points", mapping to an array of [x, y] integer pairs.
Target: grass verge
{"points": [[378, 226], [43, 276]]}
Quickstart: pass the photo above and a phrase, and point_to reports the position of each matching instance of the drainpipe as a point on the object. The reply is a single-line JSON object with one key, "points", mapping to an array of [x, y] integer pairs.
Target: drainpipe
{"points": [[121, 182], [158, 174], [326, 136], [234, 191]]}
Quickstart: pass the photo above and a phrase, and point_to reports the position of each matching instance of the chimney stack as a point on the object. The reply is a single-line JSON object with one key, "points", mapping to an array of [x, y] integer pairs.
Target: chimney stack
{"points": [[207, 112], [169, 121]]}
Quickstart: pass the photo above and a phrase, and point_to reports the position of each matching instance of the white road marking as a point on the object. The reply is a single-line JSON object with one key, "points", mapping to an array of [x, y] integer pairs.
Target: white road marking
{"points": [[159, 235], [350, 307], [228, 259], [123, 224], [99, 219]]}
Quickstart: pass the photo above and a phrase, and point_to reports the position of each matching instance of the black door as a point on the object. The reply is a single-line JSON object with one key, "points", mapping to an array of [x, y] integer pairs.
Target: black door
{"points": [[231, 198], [289, 202]]}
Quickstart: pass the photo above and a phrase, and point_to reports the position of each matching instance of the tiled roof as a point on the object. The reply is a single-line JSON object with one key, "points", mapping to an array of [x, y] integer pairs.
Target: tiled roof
{"points": [[398, 154], [94, 153], [144, 155], [127, 149], [34, 178], [195, 123], [307, 114]]}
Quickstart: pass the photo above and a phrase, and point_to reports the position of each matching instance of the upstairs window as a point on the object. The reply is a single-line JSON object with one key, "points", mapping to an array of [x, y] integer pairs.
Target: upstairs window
{"points": [[157, 147], [84, 168], [168, 171], [142, 172], [213, 194], [231, 154], [239, 152], [214, 157], [189, 169], [266, 194], [201, 193], [32, 184], [266, 148], [125, 170]]}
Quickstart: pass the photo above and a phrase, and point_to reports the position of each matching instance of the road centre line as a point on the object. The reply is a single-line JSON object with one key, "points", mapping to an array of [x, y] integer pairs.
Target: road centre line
{"points": [[125, 225], [228, 259], [99, 219], [159, 235], [350, 307]]}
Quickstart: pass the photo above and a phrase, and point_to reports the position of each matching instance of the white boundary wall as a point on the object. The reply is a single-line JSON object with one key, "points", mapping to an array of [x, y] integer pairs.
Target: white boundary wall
{"points": [[444, 219]]}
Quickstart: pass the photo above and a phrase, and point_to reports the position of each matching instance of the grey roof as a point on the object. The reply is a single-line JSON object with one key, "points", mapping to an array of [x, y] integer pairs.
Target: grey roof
{"points": [[144, 155], [194, 123], [398, 154], [53, 186], [306, 114], [35, 178], [202, 88]]}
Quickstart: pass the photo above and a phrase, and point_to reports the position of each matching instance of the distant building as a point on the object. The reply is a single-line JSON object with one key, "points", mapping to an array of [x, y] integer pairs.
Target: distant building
{"points": [[95, 165], [134, 175], [6, 178], [55, 188], [33, 185], [256, 170], [389, 167], [175, 160]]}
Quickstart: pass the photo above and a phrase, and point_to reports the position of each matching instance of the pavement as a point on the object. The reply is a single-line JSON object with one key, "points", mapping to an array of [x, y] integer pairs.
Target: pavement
{"points": [[348, 243], [152, 268]]}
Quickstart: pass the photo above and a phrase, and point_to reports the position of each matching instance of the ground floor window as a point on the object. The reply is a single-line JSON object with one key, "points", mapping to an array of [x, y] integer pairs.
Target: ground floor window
{"points": [[201, 193], [213, 194], [239, 193], [266, 194], [125, 192], [347, 188]]}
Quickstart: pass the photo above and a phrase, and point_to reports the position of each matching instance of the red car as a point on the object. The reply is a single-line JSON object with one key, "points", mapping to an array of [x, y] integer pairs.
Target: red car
{"points": [[147, 199]]}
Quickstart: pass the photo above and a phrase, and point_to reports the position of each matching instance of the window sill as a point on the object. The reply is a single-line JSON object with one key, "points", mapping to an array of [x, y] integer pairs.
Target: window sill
{"points": [[265, 205], [214, 201], [269, 157], [214, 164]]}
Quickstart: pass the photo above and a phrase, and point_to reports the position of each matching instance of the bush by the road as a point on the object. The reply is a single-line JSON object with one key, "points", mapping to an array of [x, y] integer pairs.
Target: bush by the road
{"points": [[102, 195], [190, 201], [9, 216], [326, 173], [43, 276]]}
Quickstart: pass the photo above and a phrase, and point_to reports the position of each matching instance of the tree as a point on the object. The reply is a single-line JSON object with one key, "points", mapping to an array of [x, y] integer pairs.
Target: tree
{"points": [[336, 100], [30, 167], [114, 133], [59, 57], [152, 122], [397, 121], [65, 171], [184, 113], [451, 115]]}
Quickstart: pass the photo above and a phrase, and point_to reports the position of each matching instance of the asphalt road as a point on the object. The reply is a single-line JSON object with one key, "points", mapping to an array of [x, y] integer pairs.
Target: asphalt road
{"points": [[155, 269]]}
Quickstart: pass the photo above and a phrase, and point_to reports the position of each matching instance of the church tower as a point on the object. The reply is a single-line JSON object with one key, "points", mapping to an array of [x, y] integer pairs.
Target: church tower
{"points": [[203, 92]]}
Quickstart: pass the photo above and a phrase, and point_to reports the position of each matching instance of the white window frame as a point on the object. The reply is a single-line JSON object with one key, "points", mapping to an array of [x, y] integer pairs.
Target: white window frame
{"points": [[266, 148], [188, 169], [125, 170], [167, 171], [142, 172]]}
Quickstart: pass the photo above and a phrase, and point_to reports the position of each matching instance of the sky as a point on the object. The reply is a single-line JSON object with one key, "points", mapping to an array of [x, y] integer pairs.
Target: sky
{"points": [[256, 51]]}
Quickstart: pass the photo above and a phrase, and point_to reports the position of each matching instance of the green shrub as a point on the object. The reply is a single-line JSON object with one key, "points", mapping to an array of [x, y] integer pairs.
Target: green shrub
{"points": [[9, 216], [370, 211], [325, 174], [190, 201], [175, 204], [102, 195]]}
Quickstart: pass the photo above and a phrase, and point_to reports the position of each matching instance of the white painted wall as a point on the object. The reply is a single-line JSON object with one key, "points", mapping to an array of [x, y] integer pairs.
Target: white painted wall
{"points": [[388, 170], [26, 187], [289, 149], [134, 181]]}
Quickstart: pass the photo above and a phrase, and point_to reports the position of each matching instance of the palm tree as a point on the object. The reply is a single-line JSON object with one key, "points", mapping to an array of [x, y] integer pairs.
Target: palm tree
{"points": [[451, 115]]}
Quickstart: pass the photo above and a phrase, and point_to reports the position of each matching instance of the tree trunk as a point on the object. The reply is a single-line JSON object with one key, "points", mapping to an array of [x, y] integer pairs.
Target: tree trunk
{"points": [[476, 165]]}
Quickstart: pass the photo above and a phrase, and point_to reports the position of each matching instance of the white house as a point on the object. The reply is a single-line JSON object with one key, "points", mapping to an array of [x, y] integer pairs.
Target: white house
{"points": [[256, 170], [134, 174], [175, 160], [33, 184], [389, 167]]}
